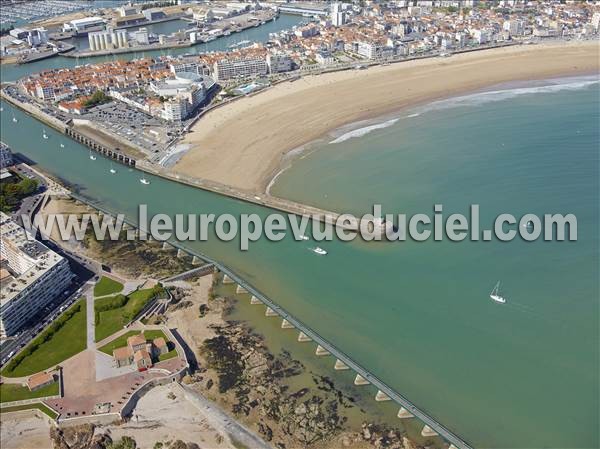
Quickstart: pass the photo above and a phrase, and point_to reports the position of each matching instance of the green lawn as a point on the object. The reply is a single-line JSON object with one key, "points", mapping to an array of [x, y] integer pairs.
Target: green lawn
{"points": [[63, 339], [39, 406], [169, 355], [118, 342], [17, 392], [107, 286], [110, 321]]}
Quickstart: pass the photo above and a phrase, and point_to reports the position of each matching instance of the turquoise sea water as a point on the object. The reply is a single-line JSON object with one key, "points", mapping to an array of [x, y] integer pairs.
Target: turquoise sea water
{"points": [[418, 315]]}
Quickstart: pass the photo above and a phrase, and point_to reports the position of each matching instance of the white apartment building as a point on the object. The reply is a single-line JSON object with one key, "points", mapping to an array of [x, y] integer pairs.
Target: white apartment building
{"points": [[338, 17], [279, 62], [44, 92], [514, 27], [245, 67], [31, 276], [369, 50], [6, 159]]}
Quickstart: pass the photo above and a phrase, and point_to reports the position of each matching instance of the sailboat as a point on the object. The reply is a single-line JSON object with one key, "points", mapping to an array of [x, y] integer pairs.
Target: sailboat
{"points": [[496, 296], [44, 135]]}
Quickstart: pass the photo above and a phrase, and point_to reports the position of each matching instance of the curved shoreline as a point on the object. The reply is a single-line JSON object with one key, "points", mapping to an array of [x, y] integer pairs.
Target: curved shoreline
{"points": [[247, 143]]}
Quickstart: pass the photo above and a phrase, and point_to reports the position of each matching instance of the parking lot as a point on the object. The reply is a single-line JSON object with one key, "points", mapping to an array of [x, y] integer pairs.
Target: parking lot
{"points": [[144, 131]]}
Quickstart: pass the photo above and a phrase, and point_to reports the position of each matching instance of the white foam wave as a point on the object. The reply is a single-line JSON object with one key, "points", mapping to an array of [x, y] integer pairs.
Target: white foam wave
{"points": [[363, 131], [505, 94], [416, 114]]}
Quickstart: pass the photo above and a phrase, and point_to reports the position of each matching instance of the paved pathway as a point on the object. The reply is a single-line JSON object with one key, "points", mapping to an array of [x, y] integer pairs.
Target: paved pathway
{"points": [[91, 322]]}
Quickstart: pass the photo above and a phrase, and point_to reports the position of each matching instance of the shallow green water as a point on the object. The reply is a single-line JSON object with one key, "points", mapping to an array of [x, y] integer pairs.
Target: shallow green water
{"points": [[418, 314]]}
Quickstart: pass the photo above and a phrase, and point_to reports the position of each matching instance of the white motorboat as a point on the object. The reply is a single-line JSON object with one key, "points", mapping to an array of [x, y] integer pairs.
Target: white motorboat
{"points": [[319, 251], [44, 135], [496, 296], [144, 181], [303, 237]]}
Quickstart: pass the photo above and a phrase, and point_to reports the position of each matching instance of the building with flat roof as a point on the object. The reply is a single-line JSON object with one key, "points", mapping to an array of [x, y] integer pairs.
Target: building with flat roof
{"points": [[226, 69], [85, 25], [32, 276], [6, 158]]}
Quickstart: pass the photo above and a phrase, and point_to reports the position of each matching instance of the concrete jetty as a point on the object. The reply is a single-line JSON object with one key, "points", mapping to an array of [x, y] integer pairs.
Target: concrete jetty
{"points": [[404, 414], [303, 338], [285, 324], [360, 380], [381, 396], [428, 432], [321, 351], [340, 366]]}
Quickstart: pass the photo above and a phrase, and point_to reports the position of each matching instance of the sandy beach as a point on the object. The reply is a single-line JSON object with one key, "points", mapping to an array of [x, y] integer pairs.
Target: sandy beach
{"points": [[243, 144]]}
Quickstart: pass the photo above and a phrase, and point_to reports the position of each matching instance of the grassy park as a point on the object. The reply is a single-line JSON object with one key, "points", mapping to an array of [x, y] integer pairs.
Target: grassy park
{"points": [[114, 312], [62, 339], [107, 286], [18, 392]]}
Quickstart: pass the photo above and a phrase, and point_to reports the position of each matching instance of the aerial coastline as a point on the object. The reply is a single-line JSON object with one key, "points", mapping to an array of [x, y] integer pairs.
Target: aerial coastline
{"points": [[290, 115]]}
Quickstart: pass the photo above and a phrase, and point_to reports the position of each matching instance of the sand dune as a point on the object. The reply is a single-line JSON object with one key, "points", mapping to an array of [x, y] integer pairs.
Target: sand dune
{"points": [[242, 144]]}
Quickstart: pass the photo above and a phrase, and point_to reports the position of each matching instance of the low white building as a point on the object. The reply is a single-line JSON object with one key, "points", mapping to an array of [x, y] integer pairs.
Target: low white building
{"points": [[85, 25], [31, 276]]}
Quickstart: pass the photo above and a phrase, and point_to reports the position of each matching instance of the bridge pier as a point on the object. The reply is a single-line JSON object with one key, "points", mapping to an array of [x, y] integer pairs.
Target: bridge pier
{"points": [[302, 337], [340, 366], [428, 432], [360, 381], [285, 324], [270, 312], [404, 414], [254, 300], [321, 351], [381, 396], [227, 280]]}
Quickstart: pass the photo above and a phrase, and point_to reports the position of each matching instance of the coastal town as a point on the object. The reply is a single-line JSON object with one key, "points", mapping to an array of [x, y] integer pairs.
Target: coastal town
{"points": [[129, 343], [167, 94]]}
